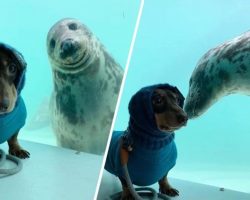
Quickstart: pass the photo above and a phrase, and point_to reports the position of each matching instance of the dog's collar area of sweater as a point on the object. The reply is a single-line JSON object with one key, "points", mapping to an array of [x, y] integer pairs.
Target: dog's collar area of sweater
{"points": [[145, 140], [13, 121]]}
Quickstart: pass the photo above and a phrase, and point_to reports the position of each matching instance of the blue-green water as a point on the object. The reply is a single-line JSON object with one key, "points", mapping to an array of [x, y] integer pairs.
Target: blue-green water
{"points": [[25, 24], [173, 35]]}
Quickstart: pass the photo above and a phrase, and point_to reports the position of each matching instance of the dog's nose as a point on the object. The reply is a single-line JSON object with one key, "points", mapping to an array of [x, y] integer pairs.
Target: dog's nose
{"points": [[182, 119], [68, 48], [4, 104]]}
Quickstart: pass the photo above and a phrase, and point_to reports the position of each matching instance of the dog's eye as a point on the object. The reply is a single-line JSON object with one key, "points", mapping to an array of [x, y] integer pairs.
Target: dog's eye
{"points": [[158, 99], [178, 101], [159, 103], [12, 68]]}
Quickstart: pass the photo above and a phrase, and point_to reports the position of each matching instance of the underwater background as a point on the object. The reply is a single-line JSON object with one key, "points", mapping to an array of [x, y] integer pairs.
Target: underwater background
{"points": [[173, 35], [25, 24]]}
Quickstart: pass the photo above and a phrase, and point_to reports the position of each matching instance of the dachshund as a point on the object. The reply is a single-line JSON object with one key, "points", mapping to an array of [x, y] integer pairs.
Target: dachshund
{"points": [[147, 146], [12, 108]]}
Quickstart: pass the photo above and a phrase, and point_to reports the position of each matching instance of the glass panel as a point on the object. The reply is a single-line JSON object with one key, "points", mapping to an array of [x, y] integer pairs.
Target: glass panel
{"points": [[25, 26], [173, 35]]}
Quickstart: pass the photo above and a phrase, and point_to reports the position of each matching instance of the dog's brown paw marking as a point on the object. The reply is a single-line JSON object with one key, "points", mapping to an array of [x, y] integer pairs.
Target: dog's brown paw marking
{"points": [[169, 191], [126, 195], [20, 153]]}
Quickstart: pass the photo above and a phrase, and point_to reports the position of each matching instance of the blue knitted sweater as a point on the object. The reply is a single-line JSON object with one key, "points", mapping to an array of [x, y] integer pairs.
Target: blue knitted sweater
{"points": [[11, 122], [154, 152]]}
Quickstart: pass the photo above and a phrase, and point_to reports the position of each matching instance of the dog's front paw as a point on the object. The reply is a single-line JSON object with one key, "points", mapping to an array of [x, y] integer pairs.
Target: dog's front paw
{"points": [[19, 152], [126, 195], [168, 190]]}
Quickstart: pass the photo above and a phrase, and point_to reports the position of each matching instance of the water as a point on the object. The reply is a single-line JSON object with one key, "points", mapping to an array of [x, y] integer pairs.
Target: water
{"points": [[25, 24], [173, 35]]}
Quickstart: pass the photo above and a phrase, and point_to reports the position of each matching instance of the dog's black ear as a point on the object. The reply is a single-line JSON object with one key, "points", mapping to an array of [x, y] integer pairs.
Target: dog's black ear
{"points": [[181, 98]]}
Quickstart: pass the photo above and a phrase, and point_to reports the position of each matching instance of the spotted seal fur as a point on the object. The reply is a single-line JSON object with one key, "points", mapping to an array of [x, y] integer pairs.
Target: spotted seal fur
{"points": [[222, 71], [86, 85]]}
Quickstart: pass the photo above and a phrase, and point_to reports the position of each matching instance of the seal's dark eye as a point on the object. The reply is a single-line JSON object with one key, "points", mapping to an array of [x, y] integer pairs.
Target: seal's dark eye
{"points": [[190, 81], [12, 68], [72, 26], [52, 43]]}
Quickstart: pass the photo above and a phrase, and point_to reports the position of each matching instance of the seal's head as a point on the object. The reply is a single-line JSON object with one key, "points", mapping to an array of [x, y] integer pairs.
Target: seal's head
{"points": [[12, 77], [205, 88], [68, 46]]}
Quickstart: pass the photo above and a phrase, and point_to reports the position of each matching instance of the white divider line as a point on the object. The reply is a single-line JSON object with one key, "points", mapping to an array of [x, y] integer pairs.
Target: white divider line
{"points": [[119, 96]]}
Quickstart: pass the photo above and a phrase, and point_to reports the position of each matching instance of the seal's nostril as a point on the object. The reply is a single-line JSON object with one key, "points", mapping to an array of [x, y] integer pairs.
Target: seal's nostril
{"points": [[68, 48], [67, 45]]}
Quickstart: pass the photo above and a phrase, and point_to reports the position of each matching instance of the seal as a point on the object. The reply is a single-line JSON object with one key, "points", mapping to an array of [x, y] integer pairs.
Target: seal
{"points": [[222, 71], [86, 85]]}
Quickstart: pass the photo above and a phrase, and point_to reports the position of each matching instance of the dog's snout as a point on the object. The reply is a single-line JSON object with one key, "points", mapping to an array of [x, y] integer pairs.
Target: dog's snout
{"points": [[182, 119], [68, 48], [4, 104]]}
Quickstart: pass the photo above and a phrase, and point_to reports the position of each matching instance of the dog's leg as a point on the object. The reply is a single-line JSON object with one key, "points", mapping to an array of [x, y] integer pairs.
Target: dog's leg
{"points": [[126, 195], [124, 153], [165, 187], [15, 149]]}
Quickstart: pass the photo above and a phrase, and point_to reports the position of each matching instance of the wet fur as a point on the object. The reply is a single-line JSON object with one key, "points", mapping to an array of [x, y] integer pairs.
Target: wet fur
{"points": [[222, 71], [168, 109], [9, 71]]}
